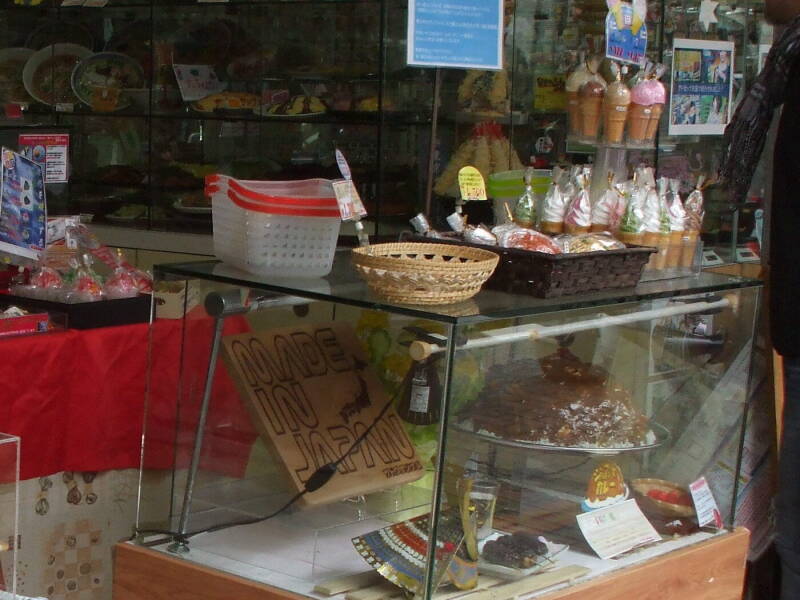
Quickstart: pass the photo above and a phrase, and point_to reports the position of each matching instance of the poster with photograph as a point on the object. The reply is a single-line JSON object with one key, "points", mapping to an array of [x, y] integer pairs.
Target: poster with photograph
{"points": [[702, 87], [23, 209]]}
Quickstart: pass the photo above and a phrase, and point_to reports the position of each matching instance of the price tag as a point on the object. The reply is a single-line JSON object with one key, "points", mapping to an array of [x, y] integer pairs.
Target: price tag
{"points": [[626, 33], [65, 107], [711, 259], [746, 255], [197, 81], [616, 529], [350, 205], [471, 184], [705, 505]]}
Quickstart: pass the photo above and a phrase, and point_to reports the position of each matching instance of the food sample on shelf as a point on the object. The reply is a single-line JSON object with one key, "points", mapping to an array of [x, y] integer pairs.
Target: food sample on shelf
{"points": [[574, 82], [520, 550], [588, 242], [528, 239], [571, 404], [227, 101], [479, 235], [484, 92], [604, 208], [487, 149], [631, 227], [655, 211], [606, 487]]}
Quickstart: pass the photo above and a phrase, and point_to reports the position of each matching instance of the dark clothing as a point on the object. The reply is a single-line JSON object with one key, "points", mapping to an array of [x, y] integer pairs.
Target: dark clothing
{"points": [[787, 528], [785, 226]]}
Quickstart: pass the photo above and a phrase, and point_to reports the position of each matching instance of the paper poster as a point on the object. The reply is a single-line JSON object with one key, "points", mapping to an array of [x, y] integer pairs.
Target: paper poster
{"points": [[196, 82], [614, 530], [466, 34], [23, 208], [626, 32], [49, 151], [702, 87]]}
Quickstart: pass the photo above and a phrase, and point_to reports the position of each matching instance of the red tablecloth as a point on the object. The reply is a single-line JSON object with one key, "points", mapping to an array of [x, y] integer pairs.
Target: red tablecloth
{"points": [[76, 399]]}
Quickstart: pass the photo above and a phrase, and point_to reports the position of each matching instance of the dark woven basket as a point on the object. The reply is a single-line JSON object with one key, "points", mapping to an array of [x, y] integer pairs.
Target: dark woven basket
{"points": [[552, 275]]}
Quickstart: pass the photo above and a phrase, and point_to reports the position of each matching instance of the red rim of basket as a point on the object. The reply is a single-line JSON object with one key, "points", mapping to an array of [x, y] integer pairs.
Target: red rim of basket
{"points": [[251, 195]]}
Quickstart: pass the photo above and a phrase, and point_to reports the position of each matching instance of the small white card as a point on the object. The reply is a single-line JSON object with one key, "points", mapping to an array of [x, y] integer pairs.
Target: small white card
{"points": [[613, 530], [195, 82], [705, 505], [350, 205]]}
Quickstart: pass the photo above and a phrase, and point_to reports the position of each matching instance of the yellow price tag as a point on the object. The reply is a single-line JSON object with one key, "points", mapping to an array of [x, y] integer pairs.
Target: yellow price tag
{"points": [[471, 184]]}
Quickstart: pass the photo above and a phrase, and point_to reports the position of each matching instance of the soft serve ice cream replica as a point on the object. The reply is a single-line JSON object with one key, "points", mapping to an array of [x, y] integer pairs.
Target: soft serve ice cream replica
{"points": [[647, 103]]}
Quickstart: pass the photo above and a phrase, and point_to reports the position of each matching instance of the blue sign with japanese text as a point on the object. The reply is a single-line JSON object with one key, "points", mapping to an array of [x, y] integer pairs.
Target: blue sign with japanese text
{"points": [[466, 34]]}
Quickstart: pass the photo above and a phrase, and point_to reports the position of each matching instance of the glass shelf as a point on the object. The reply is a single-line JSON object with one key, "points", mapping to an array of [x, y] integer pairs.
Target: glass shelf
{"points": [[344, 286]]}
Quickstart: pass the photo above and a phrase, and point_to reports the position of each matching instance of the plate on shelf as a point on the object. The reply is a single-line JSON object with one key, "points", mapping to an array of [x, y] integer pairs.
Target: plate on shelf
{"points": [[107, 70], [546, 562], [660, 433], [48, 73]]}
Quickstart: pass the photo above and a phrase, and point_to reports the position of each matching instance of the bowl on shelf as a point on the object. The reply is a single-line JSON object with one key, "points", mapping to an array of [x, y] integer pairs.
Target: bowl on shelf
{"points": [[656, 495], [47, 74], [424, 273]]}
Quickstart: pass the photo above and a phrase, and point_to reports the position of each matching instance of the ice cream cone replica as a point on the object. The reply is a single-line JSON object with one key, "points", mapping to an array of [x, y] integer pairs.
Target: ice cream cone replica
{"points": [[652, 239], [573, 84], [693, 223], [578, 218], [554, 208], [654, 120], [604, 207], [615, 111], [591, 105], [631, 227], [664, 224], [677, 221], [647, 103], [652, 224]]}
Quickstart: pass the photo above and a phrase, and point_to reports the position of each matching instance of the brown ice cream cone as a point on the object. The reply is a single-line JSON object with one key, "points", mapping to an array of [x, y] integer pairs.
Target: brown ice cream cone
{"points": [[591, 108], [674, 249], [688, 248], [638, 122], [614, 117], [663, 251], [574, 113], [570, 228], [596, 227], [655, 118], [626, 237], [552, 227]]}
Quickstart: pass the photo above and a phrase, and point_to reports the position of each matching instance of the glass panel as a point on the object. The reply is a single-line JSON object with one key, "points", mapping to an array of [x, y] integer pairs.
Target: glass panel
{"points": [[9, 513]]}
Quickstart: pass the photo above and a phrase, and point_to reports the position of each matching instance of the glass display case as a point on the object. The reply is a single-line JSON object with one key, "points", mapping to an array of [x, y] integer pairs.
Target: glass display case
{"points": [[9, 514], [315, 438], [262, 101]]}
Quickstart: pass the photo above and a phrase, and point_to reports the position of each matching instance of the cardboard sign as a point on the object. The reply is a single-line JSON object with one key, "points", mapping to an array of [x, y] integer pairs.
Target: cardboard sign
{"points": [[471, 184], [51, 151], [613, 530], [626, 32], [311, 394], [23, 206], [705, 505]]}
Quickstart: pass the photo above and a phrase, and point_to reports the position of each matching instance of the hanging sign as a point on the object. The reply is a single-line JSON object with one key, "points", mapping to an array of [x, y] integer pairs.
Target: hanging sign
{"points": [[465, 34], [626, 32], [311, 395]]}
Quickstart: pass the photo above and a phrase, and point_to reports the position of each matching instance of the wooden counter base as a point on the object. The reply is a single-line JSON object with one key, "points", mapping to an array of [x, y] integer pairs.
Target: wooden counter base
{"points": [[712, 570]]}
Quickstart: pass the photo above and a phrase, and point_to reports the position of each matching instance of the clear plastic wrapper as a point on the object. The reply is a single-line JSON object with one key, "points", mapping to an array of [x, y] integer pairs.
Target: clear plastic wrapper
{"points": [[86, 285], [587, 242], [121, 283], [422, 226], [695, 208], [479, 235], [529, 239], [456, 222], [525, 209]]}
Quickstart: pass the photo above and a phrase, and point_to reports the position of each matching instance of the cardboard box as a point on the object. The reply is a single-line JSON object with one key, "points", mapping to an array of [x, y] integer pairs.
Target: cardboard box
{"points": [[24, 325]]}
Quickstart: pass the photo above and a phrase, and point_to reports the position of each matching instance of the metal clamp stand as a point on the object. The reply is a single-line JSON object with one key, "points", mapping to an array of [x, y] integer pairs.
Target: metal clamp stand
{"points": [[219, 305]]}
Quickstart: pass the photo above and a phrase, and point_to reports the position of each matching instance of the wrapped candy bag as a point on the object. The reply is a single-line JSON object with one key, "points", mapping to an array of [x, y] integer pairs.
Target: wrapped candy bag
{"points": [[587, 242], [86, 283], [121, 283], [423, 227], [528, 239], [479, 235]]}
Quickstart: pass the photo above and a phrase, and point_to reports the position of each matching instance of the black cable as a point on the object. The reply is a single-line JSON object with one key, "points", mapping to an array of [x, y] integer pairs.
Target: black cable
{"points": [[318, 479]]}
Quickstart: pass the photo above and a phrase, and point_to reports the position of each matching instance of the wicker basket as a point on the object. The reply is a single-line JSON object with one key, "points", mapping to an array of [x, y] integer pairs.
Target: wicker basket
{"points": [[553, 275], [424, 273]]}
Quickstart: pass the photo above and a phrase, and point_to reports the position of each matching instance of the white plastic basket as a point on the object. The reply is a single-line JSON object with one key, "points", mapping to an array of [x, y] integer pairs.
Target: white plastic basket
{"points": [[275, 228]]}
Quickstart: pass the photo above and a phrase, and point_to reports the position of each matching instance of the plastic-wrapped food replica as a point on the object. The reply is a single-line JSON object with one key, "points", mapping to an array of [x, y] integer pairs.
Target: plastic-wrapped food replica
{"points": [[615, 110], [677, 223], [647, 103], [573, 84], [587, 242], [695, 211], [631, 227], [554, 209], [528, 239], [578, 217]]}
